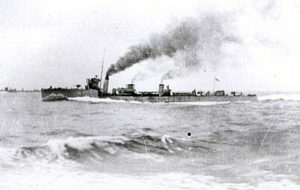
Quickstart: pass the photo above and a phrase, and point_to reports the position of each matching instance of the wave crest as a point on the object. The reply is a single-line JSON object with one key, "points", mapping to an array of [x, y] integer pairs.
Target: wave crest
{"points": [[81, 148]]}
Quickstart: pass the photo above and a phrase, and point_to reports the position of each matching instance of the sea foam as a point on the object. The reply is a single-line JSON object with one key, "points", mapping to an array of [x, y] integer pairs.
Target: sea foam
{"points": [[99, 100], [108, 100], [290, 97], [201, 103]]}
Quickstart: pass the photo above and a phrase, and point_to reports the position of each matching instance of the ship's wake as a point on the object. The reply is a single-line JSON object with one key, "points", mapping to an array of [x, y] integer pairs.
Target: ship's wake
{"points": [[286, 97], [98, 100], [108, 100], [261, 98], [200, 103]]}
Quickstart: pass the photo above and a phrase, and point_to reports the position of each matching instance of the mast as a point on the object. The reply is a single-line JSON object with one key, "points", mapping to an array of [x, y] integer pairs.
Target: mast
{"points": [[101, 75]]}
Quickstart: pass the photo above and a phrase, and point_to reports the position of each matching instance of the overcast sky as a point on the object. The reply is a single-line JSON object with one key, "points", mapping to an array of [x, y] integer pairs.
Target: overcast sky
{"points": [[61, 43]]}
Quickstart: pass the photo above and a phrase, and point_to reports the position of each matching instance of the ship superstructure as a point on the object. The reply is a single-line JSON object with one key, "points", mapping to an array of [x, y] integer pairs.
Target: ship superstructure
{"points": [[129, 93], [165, 94], [94, 88]]}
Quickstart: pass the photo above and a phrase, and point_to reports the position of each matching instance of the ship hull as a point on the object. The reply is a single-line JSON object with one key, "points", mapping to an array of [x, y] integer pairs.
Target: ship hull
{"points": [[57, 94], [184, 98]]}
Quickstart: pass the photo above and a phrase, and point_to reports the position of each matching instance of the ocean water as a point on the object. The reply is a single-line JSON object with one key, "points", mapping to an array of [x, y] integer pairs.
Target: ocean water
{"points": [[87, 143]]}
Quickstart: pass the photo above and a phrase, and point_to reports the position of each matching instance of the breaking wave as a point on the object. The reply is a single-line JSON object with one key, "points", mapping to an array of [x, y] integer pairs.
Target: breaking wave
{"points": [[288, 97], [98, 147]]}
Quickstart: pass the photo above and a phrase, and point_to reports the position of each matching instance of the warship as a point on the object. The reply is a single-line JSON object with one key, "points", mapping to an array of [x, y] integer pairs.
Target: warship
{"points": [[94, 89]]}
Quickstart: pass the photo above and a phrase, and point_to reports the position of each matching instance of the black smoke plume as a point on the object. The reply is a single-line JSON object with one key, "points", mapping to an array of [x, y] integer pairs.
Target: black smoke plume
{"points": [[198, 39], [183, 36]]}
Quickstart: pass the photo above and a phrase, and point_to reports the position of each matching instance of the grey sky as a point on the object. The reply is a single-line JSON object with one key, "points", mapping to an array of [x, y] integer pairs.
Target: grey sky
{"points": [[60, 43]]}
